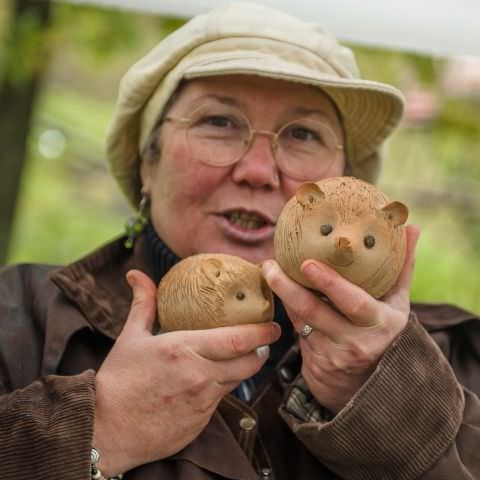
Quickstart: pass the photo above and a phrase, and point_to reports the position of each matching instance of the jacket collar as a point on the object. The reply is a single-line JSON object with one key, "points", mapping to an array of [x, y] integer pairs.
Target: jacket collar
{"points": [[436, 317], [97, 284]]}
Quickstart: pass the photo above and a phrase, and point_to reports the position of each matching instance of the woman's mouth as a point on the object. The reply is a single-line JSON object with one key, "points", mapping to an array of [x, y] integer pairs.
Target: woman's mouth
{"points": [[246, 220], [245, 226]]}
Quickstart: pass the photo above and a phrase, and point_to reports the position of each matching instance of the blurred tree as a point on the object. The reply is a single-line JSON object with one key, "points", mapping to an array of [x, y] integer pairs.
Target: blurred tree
{"points": [[23, 64]]}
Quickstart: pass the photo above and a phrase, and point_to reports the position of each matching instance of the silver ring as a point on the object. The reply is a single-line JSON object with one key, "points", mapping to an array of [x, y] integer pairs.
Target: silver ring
{"points": [[306, 331]]}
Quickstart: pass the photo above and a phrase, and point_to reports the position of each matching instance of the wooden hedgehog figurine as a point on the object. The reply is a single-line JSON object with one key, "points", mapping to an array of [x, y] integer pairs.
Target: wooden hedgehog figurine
{"points": [[349, 225], [213, 290]]}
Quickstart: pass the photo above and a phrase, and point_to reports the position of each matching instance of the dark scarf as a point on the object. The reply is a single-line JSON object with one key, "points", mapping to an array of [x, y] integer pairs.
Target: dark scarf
{"points": [[161, 259]]}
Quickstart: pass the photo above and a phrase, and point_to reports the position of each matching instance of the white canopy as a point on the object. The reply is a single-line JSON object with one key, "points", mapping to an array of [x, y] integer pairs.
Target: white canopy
{"points": [[433, 27]]}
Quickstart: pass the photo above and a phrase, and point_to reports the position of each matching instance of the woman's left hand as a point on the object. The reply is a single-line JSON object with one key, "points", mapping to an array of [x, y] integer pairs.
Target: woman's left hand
{"points": [[346, 342]]}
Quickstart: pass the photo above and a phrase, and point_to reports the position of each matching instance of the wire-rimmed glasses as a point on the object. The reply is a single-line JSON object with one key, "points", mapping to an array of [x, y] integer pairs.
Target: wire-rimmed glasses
{"points": [[220, 135]]}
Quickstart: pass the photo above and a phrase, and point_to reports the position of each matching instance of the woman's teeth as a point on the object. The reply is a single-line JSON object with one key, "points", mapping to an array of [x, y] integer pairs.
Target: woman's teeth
{"points": [[245, 220]]}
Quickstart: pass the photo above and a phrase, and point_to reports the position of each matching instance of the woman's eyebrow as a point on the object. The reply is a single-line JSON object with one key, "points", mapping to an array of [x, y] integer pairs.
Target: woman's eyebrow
{"points": [[219, 98], [304, 111], [299, 111]]}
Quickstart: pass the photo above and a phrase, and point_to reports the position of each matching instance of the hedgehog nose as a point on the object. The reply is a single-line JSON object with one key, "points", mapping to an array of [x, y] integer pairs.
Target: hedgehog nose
{"points": [[343, 243]]}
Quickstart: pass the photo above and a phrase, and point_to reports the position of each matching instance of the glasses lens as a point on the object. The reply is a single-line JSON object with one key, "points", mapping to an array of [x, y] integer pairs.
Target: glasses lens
{"points": [[306, 149], [217, 134]]}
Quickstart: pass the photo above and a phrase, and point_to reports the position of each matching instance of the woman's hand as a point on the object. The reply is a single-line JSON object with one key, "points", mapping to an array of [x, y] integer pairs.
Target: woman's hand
{"points": [[155, 394], [347, 341]]}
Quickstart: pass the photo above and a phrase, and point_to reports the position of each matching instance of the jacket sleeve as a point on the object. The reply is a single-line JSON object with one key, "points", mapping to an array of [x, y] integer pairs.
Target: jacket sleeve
{"points": [[46, 423], [46, 428], [410, 420]]}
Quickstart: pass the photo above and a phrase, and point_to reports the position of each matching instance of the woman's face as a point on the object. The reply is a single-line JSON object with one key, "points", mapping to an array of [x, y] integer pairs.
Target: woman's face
{"points": [[200, 208]]}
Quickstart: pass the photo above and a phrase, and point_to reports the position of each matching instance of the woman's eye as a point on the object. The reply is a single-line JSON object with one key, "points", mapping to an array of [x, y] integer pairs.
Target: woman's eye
{"points": [[302, 133], [326, 229], [212, 125], [218, 121], [369, 241]]}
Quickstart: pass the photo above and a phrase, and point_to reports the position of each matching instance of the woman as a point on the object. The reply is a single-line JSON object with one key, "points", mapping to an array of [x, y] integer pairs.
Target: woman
{"points": [[81, 367]]}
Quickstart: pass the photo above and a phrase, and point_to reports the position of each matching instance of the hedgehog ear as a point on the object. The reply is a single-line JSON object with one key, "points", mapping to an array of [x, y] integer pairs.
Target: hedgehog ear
{"points": [[397, 213], [212, 268], [309, 193]]}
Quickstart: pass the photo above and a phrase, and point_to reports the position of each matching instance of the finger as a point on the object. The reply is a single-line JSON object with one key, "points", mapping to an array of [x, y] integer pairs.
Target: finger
{"points": [[290, 292], [405, 277], [356, 304], [229, 387], [302, 305], [223, 343], [240, 368], [322, 317], [143, 309]]}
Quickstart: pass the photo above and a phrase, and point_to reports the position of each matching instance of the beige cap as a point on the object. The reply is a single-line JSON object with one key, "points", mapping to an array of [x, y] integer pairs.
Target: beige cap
{"points": [[248, 38]]}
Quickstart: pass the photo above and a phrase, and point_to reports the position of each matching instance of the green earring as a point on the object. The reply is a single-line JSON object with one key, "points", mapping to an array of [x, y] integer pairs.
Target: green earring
{"points": [[136, 223]]}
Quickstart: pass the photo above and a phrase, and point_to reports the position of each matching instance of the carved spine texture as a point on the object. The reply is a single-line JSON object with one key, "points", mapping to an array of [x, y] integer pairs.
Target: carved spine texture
{"points": [[213, 290], [350, 210]]}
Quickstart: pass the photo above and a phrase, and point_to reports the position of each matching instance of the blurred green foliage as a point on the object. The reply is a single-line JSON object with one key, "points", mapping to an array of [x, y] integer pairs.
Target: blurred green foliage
{"points": [[69, 204], [24, 43], [21, 54]]}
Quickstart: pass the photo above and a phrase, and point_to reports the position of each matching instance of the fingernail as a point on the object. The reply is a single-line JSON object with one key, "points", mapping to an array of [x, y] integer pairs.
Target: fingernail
{"points": [[278, 329], [310, 269], [267, 267], [131, 279], [263, 352]]}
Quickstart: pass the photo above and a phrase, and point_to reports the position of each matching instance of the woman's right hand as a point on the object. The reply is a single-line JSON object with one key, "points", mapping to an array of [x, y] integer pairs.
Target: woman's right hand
{"points": [[155, 394]]}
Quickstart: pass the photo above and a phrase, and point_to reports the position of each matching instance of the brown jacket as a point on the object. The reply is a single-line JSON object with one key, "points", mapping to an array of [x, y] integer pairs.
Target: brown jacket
{"points": [[411, 419]]}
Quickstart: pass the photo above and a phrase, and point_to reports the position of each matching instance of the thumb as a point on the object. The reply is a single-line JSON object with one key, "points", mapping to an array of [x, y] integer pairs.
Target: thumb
{"points": [[143, 309]]}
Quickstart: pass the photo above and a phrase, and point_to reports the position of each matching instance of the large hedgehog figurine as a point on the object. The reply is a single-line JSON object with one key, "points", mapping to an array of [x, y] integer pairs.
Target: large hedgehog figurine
{"points": [[213, 290], [349, 225]]}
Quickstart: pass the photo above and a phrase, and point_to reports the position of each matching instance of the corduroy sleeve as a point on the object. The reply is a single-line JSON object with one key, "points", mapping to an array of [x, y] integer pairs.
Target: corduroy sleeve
{"points": [[406, 419], [46, 429]]}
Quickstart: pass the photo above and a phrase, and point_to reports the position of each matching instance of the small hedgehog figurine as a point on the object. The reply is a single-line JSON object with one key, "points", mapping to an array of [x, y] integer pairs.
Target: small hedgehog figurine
{"points": [[213, 290], [348, 224]]}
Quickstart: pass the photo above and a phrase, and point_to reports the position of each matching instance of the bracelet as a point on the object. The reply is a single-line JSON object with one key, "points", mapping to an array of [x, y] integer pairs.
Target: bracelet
{"points": [[95, 472]]}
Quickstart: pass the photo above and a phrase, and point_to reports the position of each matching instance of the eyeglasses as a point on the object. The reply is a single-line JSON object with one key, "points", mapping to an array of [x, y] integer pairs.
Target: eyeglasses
{"points": [[218, 135]]}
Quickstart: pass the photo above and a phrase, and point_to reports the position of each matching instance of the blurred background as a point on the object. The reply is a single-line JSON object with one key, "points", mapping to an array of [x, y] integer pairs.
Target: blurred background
{"points": [[60, 65]]}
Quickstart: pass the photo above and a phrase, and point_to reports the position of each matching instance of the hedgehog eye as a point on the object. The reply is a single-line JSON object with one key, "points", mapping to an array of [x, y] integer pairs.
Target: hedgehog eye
{"points": [[217, 273], [326, 229], [240, 295], [369, 241]]}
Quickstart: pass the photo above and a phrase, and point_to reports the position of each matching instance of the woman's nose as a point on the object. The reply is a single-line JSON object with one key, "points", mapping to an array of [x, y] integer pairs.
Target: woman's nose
{"points": [[257, 167]]}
